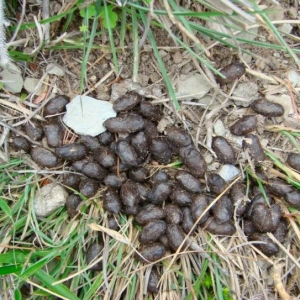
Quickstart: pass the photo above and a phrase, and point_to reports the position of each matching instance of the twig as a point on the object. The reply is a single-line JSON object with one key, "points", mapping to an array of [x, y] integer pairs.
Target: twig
{"points": [[21, 109], [276, 275], [45, 15], [20, 22], [147, 27], [19, 133]]}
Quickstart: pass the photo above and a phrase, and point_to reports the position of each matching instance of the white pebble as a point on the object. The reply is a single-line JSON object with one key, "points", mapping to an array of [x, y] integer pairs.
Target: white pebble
{"points": [[85, 115], [293, 77], [219, 128], [48, 199], [229, 172]]}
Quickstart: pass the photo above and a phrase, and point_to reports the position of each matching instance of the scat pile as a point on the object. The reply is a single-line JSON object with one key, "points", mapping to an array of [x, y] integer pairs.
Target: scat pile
{"points": [[168, 202]]}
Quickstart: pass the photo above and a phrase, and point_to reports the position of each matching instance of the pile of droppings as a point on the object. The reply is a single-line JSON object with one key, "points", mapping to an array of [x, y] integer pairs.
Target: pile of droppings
{"points": [[132, 162]]}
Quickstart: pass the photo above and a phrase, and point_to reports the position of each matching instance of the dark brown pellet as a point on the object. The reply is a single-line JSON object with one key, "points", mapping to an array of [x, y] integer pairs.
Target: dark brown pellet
{"points": [[127, 102], [56, 105], [151, 252], [111, 201], [238, 197], [253, 145], [127, 153], [175, 236], [181, 197], [140, 144], [92, 143], [105, 157], [267, 108], [198, 207], [216, 183], [54, 134], [153, 282], [160, 150], [129, 123], [159, 176], [160, 192], [179, 137], [20, 143], [268, 247], [150, 111], [94, 171], [265, 218], [44, 157], [72, 181], [193, 161], [88, 187], [114, 181], [293, 198], [105, 138], [129, 193], [214, 227], [231, 72], [138, 174], [293, 160], [244, 125], [71, 151], [173, 214], [223, 210], [34, 130], [279, 187], [72, 203], [94, 252], [188, 182], [149, 213], [223, 150], [152, 231], [187, 220]]}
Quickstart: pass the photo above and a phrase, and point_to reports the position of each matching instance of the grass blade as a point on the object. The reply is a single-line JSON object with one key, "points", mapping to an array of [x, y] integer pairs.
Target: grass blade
{"points": [[161, 65], [135, 45], [59, 289]]}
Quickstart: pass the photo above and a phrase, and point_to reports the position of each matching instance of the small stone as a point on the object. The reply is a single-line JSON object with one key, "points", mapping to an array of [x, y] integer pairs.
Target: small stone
{"points": [[12, 78], [293, 12], [119, 89], [286, 28], [192, 87], [247, 91], [229, 172], [219, 128], [30, 85], [55, 70], [85, 115], [49, 198], [177, 57], [293, 78]]}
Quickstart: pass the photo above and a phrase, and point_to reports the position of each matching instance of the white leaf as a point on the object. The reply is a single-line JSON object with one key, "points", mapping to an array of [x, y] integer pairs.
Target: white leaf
{"points": [[114, 234]]}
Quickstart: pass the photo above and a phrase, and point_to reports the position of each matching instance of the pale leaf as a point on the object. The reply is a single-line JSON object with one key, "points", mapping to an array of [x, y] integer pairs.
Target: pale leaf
{"points": [[114, 234]]}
